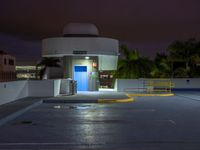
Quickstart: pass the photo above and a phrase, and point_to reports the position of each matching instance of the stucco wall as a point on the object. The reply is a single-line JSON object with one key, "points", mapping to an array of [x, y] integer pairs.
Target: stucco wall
{"points": [[62, 46], [186, 84], [108, 62], [41, 88], [10, 91], [57, 87], [125, 85]]}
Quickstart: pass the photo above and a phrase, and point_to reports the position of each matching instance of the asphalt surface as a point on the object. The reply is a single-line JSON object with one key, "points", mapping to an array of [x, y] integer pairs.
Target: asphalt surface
{"points": [[149, 123], [10, 108]]}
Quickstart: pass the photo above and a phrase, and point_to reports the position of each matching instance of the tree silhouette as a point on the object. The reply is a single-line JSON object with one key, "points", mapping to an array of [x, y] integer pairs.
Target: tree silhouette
{"points": [[131, 65], [163, 68], [187, 52], [47, 62]]}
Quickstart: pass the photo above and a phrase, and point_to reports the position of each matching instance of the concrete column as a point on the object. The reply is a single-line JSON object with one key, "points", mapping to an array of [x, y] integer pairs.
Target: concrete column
{"points": [[67, 65]]}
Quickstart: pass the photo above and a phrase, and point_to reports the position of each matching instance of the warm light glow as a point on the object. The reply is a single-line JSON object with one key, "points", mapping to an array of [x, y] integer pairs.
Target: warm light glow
{"points": [[94, 64], [87, 57]]}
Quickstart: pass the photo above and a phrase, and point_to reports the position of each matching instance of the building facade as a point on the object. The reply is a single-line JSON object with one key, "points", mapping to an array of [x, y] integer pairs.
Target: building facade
{"points": [[7, 67], [83, 53], [28, 72]]}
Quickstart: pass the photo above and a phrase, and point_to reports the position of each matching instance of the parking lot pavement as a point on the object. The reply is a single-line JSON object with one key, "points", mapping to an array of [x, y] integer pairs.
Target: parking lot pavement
{"points": [[193, 95], [151, 123], [13, 109]]}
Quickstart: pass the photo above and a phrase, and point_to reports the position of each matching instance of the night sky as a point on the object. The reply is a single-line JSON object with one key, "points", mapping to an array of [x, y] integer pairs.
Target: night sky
{"points": [[147, 25]]}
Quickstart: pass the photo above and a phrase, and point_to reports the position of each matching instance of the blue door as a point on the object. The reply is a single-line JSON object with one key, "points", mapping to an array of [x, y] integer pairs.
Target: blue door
{"points": [[81, 76]]}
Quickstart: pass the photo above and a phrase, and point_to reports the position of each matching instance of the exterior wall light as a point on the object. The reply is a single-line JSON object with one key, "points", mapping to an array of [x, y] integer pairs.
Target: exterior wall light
{"points": [[87, 57], [94, 64]]}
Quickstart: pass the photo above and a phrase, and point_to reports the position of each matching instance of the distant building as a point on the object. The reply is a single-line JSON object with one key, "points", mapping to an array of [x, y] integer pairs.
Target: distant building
{"points": [[7, 67], [86, 57], [27, 70]]}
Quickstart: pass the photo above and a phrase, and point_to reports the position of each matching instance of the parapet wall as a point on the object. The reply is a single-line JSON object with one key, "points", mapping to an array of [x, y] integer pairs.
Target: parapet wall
{"points": [[187, 84], [10, 91]]}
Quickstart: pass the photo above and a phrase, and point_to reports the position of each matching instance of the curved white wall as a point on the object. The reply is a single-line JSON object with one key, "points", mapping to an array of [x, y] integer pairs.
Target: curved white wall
{"points": [[63, 46]]}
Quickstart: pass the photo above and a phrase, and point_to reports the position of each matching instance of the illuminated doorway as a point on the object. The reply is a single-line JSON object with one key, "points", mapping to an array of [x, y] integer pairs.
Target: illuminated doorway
{"points": [[81, 76]]}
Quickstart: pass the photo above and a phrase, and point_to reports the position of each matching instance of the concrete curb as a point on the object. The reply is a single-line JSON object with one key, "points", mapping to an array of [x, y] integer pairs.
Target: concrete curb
{"points": [[125, 100], [122, 100], [69, 101]]}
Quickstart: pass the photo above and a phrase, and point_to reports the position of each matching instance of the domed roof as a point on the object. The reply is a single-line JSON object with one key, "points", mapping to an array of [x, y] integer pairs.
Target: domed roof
{"points": [[80, 29]]}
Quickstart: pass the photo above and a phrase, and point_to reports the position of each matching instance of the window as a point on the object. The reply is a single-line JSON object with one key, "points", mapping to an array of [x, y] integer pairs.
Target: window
{"points": [[11, 62], [5, 61], [80, 68]]}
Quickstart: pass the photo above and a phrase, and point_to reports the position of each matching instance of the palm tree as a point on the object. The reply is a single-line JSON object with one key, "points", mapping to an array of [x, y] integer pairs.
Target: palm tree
{"points": [[131, 65], [126, 66], [47, 62], [146, 66], [163, 67], [186, 52], [180, 72]]}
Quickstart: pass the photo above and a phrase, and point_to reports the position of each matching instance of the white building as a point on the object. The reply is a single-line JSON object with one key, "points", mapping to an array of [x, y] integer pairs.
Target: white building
{"points": [[83, 53]]}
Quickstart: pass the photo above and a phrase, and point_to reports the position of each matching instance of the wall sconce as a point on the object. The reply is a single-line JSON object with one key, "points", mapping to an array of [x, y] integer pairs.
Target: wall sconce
{"points": [[94, 64]]}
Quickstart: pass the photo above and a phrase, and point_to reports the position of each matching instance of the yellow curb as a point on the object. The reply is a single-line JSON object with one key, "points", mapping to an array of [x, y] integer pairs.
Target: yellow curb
{"points": [[140, 94], [125, 100]]}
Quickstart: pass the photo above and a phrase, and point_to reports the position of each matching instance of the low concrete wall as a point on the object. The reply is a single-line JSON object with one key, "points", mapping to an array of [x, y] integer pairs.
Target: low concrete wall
{"points": [[125, 85], [44, 88], [186, 84], [10, 91], [41, 88], [57, 87]]}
